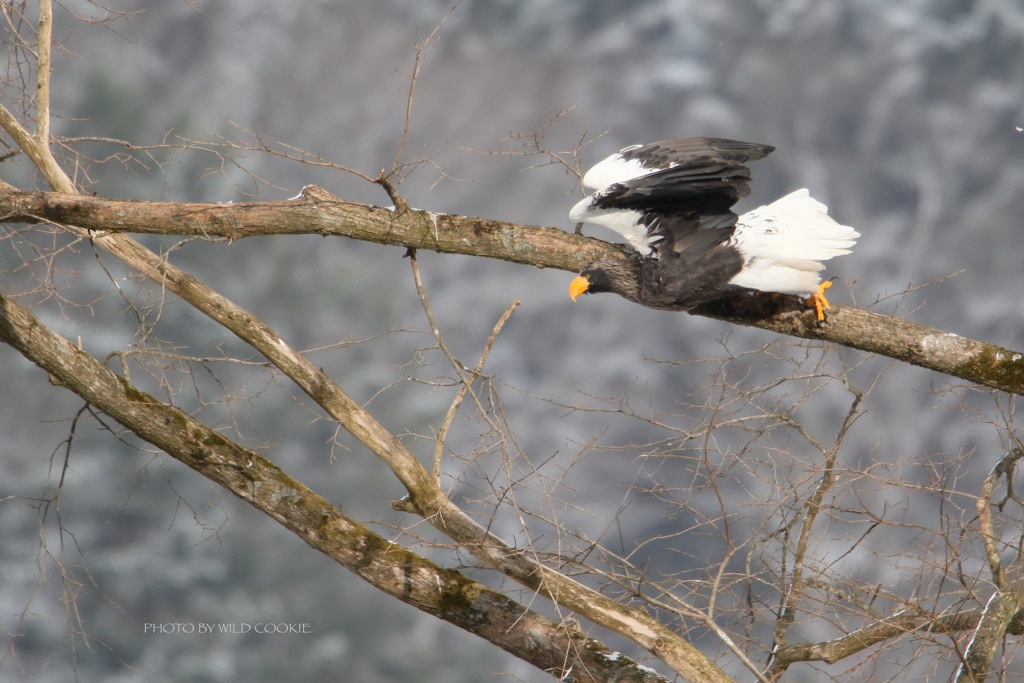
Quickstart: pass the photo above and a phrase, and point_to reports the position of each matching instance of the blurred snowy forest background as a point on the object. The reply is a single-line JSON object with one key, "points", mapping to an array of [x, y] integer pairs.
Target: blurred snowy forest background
{"points": [[903, 116]]}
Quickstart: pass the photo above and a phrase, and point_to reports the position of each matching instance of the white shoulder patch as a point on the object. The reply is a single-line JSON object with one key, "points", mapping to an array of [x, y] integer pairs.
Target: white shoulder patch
{"points": [[613, 170], [627, 223]]}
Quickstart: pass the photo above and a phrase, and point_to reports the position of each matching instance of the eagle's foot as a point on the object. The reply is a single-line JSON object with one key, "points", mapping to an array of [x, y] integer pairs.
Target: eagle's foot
{"points": [[818, 302]]}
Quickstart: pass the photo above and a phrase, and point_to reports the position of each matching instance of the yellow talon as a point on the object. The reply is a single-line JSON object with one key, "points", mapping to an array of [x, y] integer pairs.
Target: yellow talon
{"points": [[818, 300]]}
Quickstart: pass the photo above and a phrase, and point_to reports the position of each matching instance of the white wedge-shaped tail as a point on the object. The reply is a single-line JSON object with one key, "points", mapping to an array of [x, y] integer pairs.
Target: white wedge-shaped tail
{"points": [[784, 243]]}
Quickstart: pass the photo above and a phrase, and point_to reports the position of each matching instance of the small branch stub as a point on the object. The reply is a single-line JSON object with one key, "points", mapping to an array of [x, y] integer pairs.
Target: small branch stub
{"points": [[384, 180]]}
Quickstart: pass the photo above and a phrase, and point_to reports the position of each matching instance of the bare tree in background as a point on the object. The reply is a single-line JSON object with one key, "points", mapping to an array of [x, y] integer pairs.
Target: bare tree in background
{"points": [[782, 595]]}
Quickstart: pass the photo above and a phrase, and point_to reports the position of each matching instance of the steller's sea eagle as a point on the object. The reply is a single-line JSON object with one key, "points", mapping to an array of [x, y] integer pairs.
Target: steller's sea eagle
{"points": [[672, 201]]}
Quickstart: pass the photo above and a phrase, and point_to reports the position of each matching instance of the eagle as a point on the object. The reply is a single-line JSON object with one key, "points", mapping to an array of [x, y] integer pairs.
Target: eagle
{"points": [[672, 201]]}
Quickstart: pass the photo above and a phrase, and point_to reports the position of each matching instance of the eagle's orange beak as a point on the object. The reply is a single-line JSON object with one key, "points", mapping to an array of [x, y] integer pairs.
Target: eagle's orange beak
{"points": [[578, 286]]}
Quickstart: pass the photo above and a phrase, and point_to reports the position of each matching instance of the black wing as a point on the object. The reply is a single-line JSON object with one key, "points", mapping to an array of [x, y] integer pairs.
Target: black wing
{"points": [[692, 186]]}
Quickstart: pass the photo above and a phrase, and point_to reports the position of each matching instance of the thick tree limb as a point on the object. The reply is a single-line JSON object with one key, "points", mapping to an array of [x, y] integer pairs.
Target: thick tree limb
{"points": [[317, 212], [445, 593]]}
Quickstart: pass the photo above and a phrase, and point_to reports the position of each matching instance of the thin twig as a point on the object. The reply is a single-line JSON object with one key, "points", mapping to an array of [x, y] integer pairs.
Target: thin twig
{"points": [[812, 507], [466, 376], [442, 433], [417, 63]]}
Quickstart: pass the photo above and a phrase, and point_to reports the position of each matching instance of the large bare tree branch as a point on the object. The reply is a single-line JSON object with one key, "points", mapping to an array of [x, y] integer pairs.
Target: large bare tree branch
{"points": [[445, 593], [315, 211]]}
